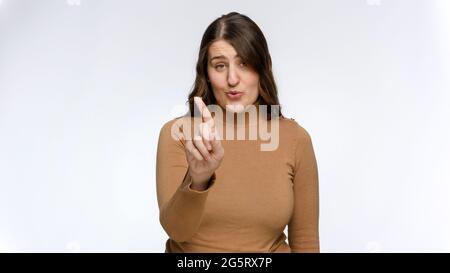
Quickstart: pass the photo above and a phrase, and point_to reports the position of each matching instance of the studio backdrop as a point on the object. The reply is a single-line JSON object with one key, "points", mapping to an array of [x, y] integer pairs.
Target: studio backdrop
{"points": [[86, 85]]}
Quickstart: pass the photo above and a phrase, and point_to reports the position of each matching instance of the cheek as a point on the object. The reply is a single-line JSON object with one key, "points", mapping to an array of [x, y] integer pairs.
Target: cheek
{"points": [[217, 80], [218, 84], [252, 82]]}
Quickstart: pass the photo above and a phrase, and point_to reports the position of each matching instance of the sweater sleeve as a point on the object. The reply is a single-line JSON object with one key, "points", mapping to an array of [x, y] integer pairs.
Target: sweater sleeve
{"points": [[181, 208], [303, 229]]}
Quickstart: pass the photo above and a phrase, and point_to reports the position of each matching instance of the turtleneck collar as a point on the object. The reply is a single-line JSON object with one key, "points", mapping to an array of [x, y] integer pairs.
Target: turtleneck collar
{"points": [[248, 117]]}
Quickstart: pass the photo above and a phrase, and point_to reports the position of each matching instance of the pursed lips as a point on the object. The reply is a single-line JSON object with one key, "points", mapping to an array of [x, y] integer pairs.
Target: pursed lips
{"points": [[233, 92]]}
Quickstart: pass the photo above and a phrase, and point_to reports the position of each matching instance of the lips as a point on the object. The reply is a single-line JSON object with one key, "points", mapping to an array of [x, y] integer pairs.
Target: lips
{"points": [[234, 95]]}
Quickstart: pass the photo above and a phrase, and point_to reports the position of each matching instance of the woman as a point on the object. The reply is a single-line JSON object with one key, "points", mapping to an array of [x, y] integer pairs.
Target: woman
{"points": [[219, 194]]}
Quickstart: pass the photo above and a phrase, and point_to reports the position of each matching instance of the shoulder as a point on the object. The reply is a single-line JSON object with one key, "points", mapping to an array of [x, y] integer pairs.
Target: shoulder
{"points": [[170, 130], [176, 128], [167, 126], [175, 124], [300, 138], [291, 127]]}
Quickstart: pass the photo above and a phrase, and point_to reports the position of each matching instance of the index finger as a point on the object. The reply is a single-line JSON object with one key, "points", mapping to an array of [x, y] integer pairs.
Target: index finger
{"points": [[206, 115]]}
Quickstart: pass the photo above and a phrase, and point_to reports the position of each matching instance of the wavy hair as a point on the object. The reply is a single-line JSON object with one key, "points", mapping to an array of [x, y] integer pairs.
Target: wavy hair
{"points": [[249, 42]]}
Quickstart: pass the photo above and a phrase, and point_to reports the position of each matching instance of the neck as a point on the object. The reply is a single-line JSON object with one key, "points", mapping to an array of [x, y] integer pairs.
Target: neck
{"points": [[248, 117]]}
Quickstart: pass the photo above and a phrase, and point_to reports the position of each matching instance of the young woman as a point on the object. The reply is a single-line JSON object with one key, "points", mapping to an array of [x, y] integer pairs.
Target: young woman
{"points": [[217, 193]]}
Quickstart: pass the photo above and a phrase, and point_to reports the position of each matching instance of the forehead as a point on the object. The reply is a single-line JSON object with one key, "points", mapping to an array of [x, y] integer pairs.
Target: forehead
{"points": [[221, 49]]}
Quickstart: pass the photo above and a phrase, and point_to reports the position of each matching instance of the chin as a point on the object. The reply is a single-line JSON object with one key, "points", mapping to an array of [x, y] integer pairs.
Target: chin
{"points": [[235, 107]]}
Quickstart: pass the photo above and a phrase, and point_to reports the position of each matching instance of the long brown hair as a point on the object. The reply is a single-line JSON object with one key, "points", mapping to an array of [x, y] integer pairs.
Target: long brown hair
{"points": [[249, 42]]}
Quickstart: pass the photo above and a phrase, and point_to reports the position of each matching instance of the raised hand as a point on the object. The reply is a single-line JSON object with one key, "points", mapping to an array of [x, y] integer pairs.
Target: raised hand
{"points": [[205, 152]]}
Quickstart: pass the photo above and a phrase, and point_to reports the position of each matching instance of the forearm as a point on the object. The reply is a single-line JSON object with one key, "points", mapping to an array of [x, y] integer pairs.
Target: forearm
{"points": [[181, 215]]}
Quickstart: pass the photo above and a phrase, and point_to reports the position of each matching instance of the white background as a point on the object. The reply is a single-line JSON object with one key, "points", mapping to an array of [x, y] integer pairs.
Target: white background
{"points": [[85, 86]]}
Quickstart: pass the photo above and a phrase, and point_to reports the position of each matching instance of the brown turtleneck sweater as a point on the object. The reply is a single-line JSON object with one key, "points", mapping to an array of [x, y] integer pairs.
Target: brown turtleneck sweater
{"points": [[250, 199]]}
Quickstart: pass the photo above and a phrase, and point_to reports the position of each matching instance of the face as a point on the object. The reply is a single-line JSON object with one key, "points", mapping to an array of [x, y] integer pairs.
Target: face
{"points": [[228, 73]]}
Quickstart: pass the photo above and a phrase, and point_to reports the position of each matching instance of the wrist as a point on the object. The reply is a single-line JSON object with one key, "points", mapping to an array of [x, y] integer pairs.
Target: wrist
{"points": [[201, 182]]}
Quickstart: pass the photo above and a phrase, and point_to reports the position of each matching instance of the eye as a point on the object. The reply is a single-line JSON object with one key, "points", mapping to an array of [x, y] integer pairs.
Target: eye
{"points": [[219, 66], [244, 64]]}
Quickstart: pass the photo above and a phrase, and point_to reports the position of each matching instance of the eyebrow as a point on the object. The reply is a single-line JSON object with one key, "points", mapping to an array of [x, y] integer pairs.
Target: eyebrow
{"points": [[222, 57]]}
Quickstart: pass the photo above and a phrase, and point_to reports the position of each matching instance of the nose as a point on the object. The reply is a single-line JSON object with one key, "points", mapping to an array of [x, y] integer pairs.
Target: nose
{"points": [[233, 77]]}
